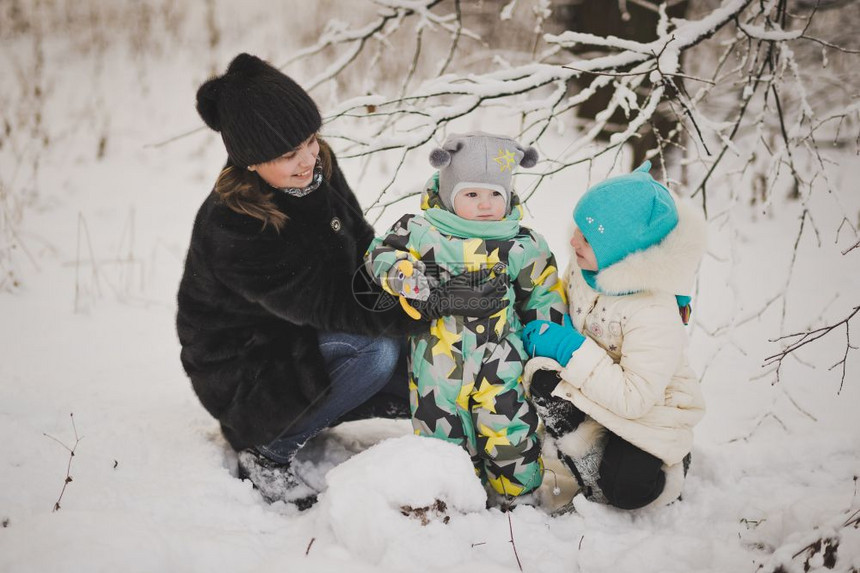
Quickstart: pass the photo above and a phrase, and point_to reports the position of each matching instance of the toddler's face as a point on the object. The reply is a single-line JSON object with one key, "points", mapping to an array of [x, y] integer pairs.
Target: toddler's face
{"points": [[477, 204], [585, 257]]}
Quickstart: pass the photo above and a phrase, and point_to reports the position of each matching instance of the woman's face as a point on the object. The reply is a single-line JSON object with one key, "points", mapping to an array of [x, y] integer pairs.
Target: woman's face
{"points": [[292, 169], [584, 253]]}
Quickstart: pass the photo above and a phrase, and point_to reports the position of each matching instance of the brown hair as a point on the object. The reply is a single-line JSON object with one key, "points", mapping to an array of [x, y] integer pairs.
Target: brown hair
{"points": [[246, 193]]}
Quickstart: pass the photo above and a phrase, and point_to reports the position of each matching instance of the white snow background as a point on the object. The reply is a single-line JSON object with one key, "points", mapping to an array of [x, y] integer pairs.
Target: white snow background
{"points": [[100, 217]]}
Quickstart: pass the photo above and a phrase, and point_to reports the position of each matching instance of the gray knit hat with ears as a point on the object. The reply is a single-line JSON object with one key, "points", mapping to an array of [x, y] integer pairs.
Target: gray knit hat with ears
{"points": [[480, 160]]}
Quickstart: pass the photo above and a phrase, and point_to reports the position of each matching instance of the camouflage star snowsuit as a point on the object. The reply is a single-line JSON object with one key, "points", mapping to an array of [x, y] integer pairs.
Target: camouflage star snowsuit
{"points": [[465, 380]]}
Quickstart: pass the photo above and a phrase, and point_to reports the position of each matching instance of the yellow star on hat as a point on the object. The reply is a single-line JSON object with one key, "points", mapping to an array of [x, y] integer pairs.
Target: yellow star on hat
{"points": [[505, 159]]}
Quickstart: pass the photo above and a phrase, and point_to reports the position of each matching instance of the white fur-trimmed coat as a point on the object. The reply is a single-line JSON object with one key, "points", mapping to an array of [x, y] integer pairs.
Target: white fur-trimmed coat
{"points": [[631, 375]]}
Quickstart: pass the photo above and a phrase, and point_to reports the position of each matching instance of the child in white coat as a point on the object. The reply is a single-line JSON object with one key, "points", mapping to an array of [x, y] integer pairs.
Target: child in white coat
{"points": [[615, 390]]}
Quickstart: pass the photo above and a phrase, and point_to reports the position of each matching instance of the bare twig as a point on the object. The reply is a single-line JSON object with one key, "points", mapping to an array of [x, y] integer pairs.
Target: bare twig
{"points": [[513, 543], [851, 248], [761, 420], [830, 45], [804, 338], [815, 547], [170, 140], [853, 497], [84, 235], [455, 40], [71, 451], [798, 406]]}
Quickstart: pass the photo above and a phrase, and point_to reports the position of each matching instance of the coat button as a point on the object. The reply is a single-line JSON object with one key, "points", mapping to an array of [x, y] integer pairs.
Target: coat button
{"points": [[479, 329], [568, 394], [335, 224]]}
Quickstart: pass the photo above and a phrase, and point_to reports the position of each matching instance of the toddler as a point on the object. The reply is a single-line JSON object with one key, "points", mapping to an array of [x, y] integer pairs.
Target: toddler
{"points": [[466, 373]]}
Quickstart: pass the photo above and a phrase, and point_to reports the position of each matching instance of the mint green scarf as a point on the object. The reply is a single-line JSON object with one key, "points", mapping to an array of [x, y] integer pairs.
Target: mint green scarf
{"points": [[451, 224]]}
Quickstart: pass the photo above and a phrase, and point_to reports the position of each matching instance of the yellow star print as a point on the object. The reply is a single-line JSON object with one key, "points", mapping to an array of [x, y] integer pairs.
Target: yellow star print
{"points": [[558, 287], [463, 397], [501, 319], [505, 159], [472, 255], [486, 395], [446, 339], [505, 486], [493, 438]]}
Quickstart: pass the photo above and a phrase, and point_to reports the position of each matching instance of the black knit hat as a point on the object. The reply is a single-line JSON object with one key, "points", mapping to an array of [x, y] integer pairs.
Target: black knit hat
{"points": [[259, 111]]}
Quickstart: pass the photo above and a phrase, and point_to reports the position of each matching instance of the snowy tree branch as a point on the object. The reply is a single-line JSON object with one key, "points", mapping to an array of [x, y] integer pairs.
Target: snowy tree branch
{"points": [[451, 97], [804, 338]]}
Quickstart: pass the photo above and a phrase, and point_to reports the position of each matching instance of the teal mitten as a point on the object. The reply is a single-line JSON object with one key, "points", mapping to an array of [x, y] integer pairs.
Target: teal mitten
{"points": [[556, 341]]}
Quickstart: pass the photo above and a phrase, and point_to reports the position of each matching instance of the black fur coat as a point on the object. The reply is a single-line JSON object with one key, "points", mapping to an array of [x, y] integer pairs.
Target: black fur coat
{"points": [[251, 301]]}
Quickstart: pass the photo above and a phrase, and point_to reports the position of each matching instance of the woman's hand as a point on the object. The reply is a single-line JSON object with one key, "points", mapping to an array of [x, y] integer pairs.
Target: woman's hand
{"points": [[542, 338], [468, 294]]}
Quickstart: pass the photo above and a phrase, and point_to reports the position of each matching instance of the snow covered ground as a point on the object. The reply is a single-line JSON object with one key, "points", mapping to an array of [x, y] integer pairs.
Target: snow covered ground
{"points": [[89, 350]]}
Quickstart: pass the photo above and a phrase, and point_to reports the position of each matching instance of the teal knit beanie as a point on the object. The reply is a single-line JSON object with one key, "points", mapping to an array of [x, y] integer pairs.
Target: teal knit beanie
{"points": [[625, 214]]}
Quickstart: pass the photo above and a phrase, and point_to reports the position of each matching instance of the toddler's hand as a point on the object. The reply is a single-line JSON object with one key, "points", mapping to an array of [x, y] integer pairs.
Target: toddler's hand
{"points": [[543, 338], [469, 294], [407, 279]]}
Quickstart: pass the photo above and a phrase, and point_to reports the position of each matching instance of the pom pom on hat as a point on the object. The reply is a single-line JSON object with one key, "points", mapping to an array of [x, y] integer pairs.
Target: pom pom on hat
{"points": [[439, 158], [530, 158], [625, 214], [247, 64], [207, 104]]}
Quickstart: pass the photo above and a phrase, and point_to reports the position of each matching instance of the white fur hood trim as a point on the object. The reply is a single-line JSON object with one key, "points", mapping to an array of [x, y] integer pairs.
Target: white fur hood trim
{"points": [[669, 266]]}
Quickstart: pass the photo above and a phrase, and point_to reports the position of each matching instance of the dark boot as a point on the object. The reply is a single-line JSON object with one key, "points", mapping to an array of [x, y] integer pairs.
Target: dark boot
{"points": [[275, 481], [586, 470], [559, 416]]}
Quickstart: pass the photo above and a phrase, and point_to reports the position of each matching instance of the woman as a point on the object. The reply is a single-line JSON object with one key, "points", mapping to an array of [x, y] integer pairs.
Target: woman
{"points": [[618, 394], [280, 332]]}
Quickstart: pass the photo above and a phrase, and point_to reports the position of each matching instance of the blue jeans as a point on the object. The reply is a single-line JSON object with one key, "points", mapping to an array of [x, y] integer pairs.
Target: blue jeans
{"points": [[368, 379]]}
